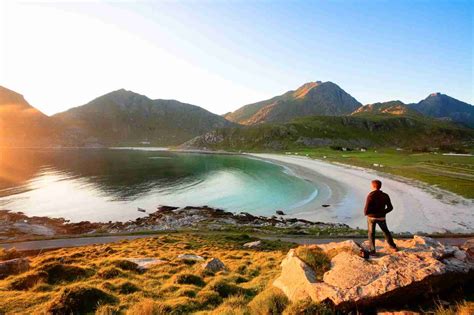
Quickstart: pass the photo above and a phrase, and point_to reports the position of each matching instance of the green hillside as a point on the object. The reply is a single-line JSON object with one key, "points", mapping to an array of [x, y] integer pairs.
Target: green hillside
{"points": [[346, 131]]}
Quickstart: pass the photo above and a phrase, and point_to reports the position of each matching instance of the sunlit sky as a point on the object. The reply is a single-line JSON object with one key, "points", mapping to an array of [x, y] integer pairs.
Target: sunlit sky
{"points": [[224, 54]]}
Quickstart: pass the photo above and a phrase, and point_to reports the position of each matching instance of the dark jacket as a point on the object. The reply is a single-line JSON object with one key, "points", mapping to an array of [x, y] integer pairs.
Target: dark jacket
{"points": [[377, 205]]}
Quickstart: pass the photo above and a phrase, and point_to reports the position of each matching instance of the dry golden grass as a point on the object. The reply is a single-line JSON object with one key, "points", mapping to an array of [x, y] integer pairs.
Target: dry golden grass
{"points": [[97, 279], [462, 308], [100, 273]]}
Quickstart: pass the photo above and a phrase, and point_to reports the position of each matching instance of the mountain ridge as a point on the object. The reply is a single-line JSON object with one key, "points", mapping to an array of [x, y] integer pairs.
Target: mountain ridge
{"points": [[126, 117], [396, 108], [438, 105], [311, 98], [22, 124]]}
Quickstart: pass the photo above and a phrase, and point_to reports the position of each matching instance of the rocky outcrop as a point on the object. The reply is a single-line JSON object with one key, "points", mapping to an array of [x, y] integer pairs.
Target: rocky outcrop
{"points": [[422, 265], [17, 226], [13, 267]]}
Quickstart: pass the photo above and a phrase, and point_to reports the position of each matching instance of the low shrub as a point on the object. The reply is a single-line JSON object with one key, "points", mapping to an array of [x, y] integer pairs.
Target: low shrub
{"points": [[148, 307], [109, 273], [188, 292], [107, 310], [80, 300], [125, 264], [225, 289], [58, 272], [189, 279], [233, 305], [271, 301], [27, 281], [127, 288], [308, 307], [462, 308], [208, 298]]}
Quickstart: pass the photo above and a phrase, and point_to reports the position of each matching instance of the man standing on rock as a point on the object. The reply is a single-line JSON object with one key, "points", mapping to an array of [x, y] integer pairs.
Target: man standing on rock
{"points": [[376, 207]]}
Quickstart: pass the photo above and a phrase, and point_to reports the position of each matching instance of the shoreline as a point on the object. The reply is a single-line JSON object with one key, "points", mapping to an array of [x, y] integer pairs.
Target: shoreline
{"points": [[344, 188]]}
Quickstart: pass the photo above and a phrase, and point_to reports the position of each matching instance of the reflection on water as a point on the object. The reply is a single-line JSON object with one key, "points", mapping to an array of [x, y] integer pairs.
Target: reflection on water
{"points": [[104, 185]]}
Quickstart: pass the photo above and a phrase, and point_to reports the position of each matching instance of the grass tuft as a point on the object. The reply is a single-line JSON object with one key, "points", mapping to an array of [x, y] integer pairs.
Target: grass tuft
{"points": [[148, 307], [27, 281], [109, 273], [308, 307], [58, 272], [315, 258], [271, 301], [80, 300], [187, 278]]}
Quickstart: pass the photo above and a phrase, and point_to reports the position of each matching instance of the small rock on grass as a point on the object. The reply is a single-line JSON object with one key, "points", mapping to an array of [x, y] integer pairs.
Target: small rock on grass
{"points": [[13, 267], [213, 265], [255, 244], [146, 263], [190, 257]]}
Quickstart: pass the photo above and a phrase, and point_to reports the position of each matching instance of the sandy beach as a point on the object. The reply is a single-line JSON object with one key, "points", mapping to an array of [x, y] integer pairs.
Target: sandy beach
{"points": [[417, 207]]}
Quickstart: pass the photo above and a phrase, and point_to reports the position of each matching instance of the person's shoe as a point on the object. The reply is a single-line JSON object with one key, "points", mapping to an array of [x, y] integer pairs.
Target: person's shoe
{"points": [[372, 253]]}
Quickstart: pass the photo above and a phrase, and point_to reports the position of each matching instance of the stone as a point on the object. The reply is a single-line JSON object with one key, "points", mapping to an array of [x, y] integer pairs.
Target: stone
{"points": [[213, 265], [13, 267], [146, 263], [352, 281], [255, 244], [190, 257], [468, 248]]}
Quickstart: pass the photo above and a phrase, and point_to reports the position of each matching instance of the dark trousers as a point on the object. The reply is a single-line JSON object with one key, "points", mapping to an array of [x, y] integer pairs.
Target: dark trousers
{"points": [[383, 226]]}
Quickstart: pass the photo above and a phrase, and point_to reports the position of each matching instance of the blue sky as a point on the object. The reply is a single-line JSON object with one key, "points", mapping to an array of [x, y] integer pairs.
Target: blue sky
{"points": [[224, 54]]}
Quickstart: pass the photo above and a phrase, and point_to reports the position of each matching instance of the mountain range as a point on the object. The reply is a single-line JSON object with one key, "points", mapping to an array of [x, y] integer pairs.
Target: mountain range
{"points": [[125, 118]]}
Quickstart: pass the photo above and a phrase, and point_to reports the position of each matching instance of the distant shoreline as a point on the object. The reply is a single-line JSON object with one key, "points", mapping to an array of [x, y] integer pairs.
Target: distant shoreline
{"points": [[344, 189]]}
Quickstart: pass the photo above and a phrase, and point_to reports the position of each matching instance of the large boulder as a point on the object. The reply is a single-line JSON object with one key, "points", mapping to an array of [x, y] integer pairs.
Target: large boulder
{"points": [[13, 267], [422, 265]]}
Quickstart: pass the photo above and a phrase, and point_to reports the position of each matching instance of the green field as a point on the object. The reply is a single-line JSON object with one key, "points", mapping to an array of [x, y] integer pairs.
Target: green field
{"points": [[452, 173]]}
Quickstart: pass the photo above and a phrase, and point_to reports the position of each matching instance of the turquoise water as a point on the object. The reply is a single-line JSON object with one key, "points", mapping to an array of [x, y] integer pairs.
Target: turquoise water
{"points": [[105, 184]]}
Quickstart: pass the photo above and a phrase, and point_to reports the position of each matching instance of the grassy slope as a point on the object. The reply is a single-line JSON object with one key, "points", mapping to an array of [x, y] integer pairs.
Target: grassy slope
{"points": [[175, 287], [374, 130], [453, 173], [169, 284]]}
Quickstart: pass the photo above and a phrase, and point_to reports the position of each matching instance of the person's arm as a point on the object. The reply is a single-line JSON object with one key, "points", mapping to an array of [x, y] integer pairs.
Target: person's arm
{"points": [[367, 202], [388, 205]]}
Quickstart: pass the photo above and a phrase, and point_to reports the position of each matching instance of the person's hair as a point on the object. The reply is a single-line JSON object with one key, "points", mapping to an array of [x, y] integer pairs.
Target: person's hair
{"points": [[377, 184]]}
